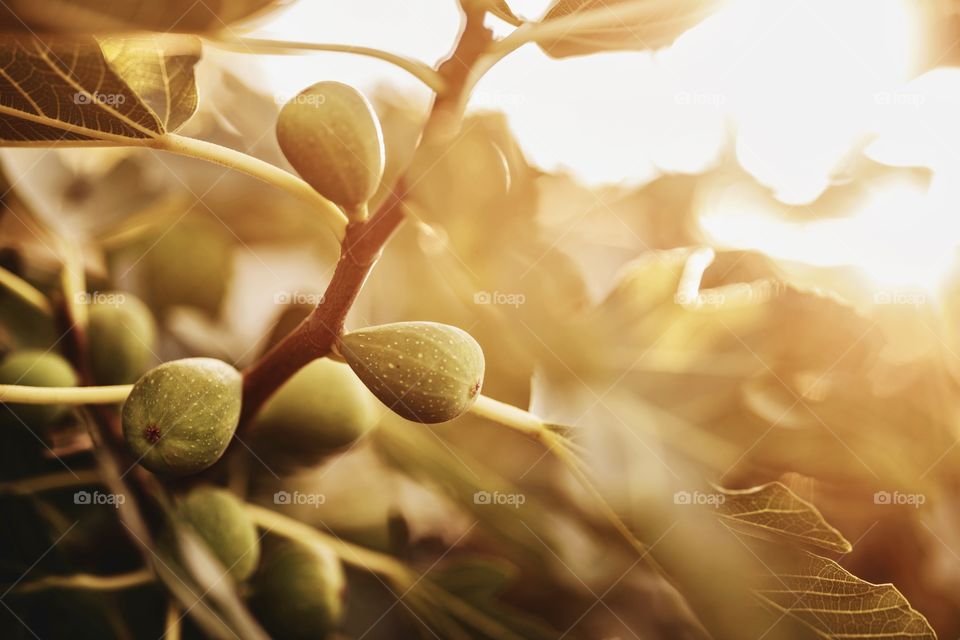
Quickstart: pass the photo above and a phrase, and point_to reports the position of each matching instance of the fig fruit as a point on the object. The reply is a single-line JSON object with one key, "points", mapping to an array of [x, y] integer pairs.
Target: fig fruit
{"points": [[331, 136], [180, 416], [122, 337], [220, 520], [321, 409], [424, 371], [298, 591], [35, 368]]}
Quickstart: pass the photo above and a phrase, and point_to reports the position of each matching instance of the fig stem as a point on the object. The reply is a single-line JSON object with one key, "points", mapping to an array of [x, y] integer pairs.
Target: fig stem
{"points": [[239, 161], [171, 624], [420, 70], [18, 394], [89, 582], [25, 291]]}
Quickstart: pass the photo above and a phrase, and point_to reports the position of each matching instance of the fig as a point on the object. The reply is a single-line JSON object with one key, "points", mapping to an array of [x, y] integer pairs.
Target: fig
{"points": [[180, 416], [298, 591], [321, 409], [35, 368], [424, 371], [331, 136], [122, 337], [219, 519]]}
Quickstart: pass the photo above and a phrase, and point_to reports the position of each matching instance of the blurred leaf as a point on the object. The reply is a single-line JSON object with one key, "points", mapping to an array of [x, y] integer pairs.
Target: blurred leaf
{"points": [[630, 24], [73, 89], [773, 509], [836, 604], [106, 16], [476, 578]]}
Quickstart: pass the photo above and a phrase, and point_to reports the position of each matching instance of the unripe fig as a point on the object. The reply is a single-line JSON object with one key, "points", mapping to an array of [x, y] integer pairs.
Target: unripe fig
{"points": [[122, 337], [321, 409], [181, 415], [331, 136], [424, 371], [298, 591], [220, 520], [34, 368]]}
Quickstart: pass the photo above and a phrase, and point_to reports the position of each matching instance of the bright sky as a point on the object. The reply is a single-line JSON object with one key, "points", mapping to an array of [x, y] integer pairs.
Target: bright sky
{"points": [[801, 82]]}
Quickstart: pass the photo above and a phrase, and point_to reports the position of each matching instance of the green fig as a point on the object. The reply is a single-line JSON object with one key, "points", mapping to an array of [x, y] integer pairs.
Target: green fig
{"points": [[321, 409], [180, 416], [35, 368], [298, 591], [219, 519], [122, 336], [331, 136], [424, 371]]}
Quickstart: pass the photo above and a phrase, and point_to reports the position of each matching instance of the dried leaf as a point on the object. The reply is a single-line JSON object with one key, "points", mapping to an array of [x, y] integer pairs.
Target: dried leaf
{"points": [[629, 24], [108, 16], [773, 509]]}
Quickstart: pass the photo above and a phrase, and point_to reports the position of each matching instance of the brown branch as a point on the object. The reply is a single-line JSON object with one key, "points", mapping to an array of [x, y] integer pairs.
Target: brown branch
{"points": [[315, 336]]}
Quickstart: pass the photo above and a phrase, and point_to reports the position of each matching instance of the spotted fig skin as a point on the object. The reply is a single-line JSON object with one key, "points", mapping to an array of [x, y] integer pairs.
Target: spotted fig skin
{"points": [[219, 519], [332, 137], [298, 592], [424, 371], [180, 416], [35, 368]]}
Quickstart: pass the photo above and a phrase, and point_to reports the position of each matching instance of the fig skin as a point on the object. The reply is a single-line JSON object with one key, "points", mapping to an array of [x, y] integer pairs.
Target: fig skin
{"points": [[298, 591], [180, 416], [332, 137], [122, 339], [424, 371], [219, 519], [35, 368], [322, 409]]}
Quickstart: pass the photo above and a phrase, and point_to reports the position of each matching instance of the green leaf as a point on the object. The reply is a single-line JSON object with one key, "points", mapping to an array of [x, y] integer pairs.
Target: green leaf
{"points": [[109, 16], [836, 604], [76, 89], [772, 509], [623, 24]]}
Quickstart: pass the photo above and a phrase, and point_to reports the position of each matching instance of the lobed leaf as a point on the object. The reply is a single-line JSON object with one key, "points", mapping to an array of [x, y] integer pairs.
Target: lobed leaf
{"points": [[773, 509]]}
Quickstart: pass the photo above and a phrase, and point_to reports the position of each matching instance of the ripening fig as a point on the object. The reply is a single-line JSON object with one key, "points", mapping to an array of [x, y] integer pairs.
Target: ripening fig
{"points": [[321, 409], [181, 415], [331, 136], [122, 337], [424, 371], [298, 591], [35, 368], [219, 519]]}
